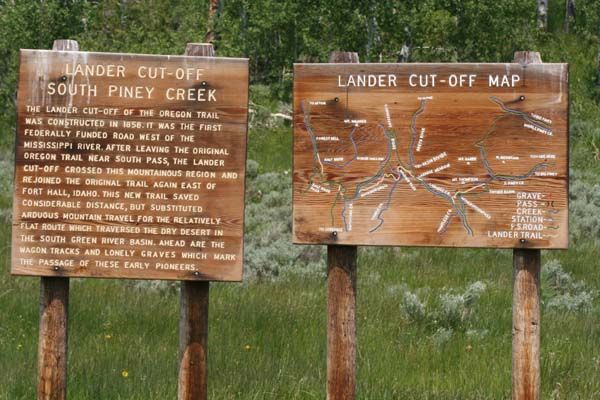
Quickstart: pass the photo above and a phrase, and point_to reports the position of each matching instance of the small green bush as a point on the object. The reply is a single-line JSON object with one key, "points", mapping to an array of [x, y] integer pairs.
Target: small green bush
{"points": [[584, 208], [452, 311], [562, 293]]}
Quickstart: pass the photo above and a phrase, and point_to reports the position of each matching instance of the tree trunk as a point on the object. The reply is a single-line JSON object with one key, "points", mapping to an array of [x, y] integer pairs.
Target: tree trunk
{"points": [[404, 54], [598, 71], [542, 14], [569, 13], [213, 13], [372, 29]]}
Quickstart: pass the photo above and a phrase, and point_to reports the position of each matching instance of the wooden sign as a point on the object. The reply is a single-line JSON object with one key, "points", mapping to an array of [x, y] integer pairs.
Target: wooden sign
{"points": [[461, 155], [130, 166]]}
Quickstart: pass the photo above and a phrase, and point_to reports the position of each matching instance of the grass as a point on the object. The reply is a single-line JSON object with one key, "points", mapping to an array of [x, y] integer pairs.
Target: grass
{"points": [[270, 147], [267, 340]]}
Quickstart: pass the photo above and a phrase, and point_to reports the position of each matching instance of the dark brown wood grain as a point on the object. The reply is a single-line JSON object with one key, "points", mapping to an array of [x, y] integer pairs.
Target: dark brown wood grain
{"points": [[186, 222], [54, 318], [526, 306], [484, 145]]}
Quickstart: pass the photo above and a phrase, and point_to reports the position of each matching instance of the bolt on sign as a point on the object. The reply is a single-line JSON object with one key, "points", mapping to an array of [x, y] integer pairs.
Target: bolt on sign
{"points": [[130, 166], [457, 155]]}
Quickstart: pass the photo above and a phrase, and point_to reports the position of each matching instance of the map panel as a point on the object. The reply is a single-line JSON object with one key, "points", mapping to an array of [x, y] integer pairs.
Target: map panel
{"points": [[457, 155]]}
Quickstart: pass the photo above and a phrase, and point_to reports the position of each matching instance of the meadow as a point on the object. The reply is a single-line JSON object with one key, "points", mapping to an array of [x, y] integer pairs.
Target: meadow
{"points": [[267, 339]]}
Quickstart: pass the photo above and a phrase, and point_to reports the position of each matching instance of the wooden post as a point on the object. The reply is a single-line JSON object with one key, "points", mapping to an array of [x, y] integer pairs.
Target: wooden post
{"points": [[526, 306], [193, 312], [54, 318], [341, 305], [193, 338]]}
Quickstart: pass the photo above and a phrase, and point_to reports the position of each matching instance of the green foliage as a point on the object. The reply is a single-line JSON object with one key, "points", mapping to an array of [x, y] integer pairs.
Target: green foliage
{"points": [[149, 26], [586, 23], [29, 25], [412, 307], [6, 185]]}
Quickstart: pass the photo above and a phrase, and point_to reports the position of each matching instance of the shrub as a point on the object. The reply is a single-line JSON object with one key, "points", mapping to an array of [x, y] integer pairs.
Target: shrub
{"points": [[452, 311], [562, 292], [584, 210], [269, 252], [412, 307], [456, 309], [442, 336]]}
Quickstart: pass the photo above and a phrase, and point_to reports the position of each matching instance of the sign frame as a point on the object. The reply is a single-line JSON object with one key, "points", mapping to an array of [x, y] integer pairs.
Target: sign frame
{"points": [[234, 107], [317, 83]]}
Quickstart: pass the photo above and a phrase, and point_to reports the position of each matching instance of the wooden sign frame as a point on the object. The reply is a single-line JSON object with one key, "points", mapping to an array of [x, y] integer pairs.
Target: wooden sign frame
{"points": [[443, 155], [130, 166]]}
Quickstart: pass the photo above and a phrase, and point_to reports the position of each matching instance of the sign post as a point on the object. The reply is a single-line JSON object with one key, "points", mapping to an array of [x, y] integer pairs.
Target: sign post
{"points": [[129, 166], [526, 305], [439, 155], [341, 304], [193, 312], [54, 317]]}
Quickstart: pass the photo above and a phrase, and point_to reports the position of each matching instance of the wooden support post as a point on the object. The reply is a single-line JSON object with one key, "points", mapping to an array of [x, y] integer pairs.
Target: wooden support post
{"points": [[193, 312], [526, 325], [52, 345], [341, 322], [341, 305], [54, 318], [526, 306], [193, 341]]}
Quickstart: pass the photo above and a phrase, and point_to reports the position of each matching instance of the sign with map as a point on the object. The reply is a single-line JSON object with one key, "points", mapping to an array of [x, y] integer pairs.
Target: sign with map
{"points": [[457, 155], [130, 166]]}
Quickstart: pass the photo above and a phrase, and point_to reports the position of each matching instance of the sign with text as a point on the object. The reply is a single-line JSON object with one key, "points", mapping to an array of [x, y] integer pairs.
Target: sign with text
{"points": [[458, 155], [130, 166]]}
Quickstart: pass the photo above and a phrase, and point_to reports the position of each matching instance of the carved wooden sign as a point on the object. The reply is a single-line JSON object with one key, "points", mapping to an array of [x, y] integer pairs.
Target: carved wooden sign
{"points": [[460, 155], [130, 166]]}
